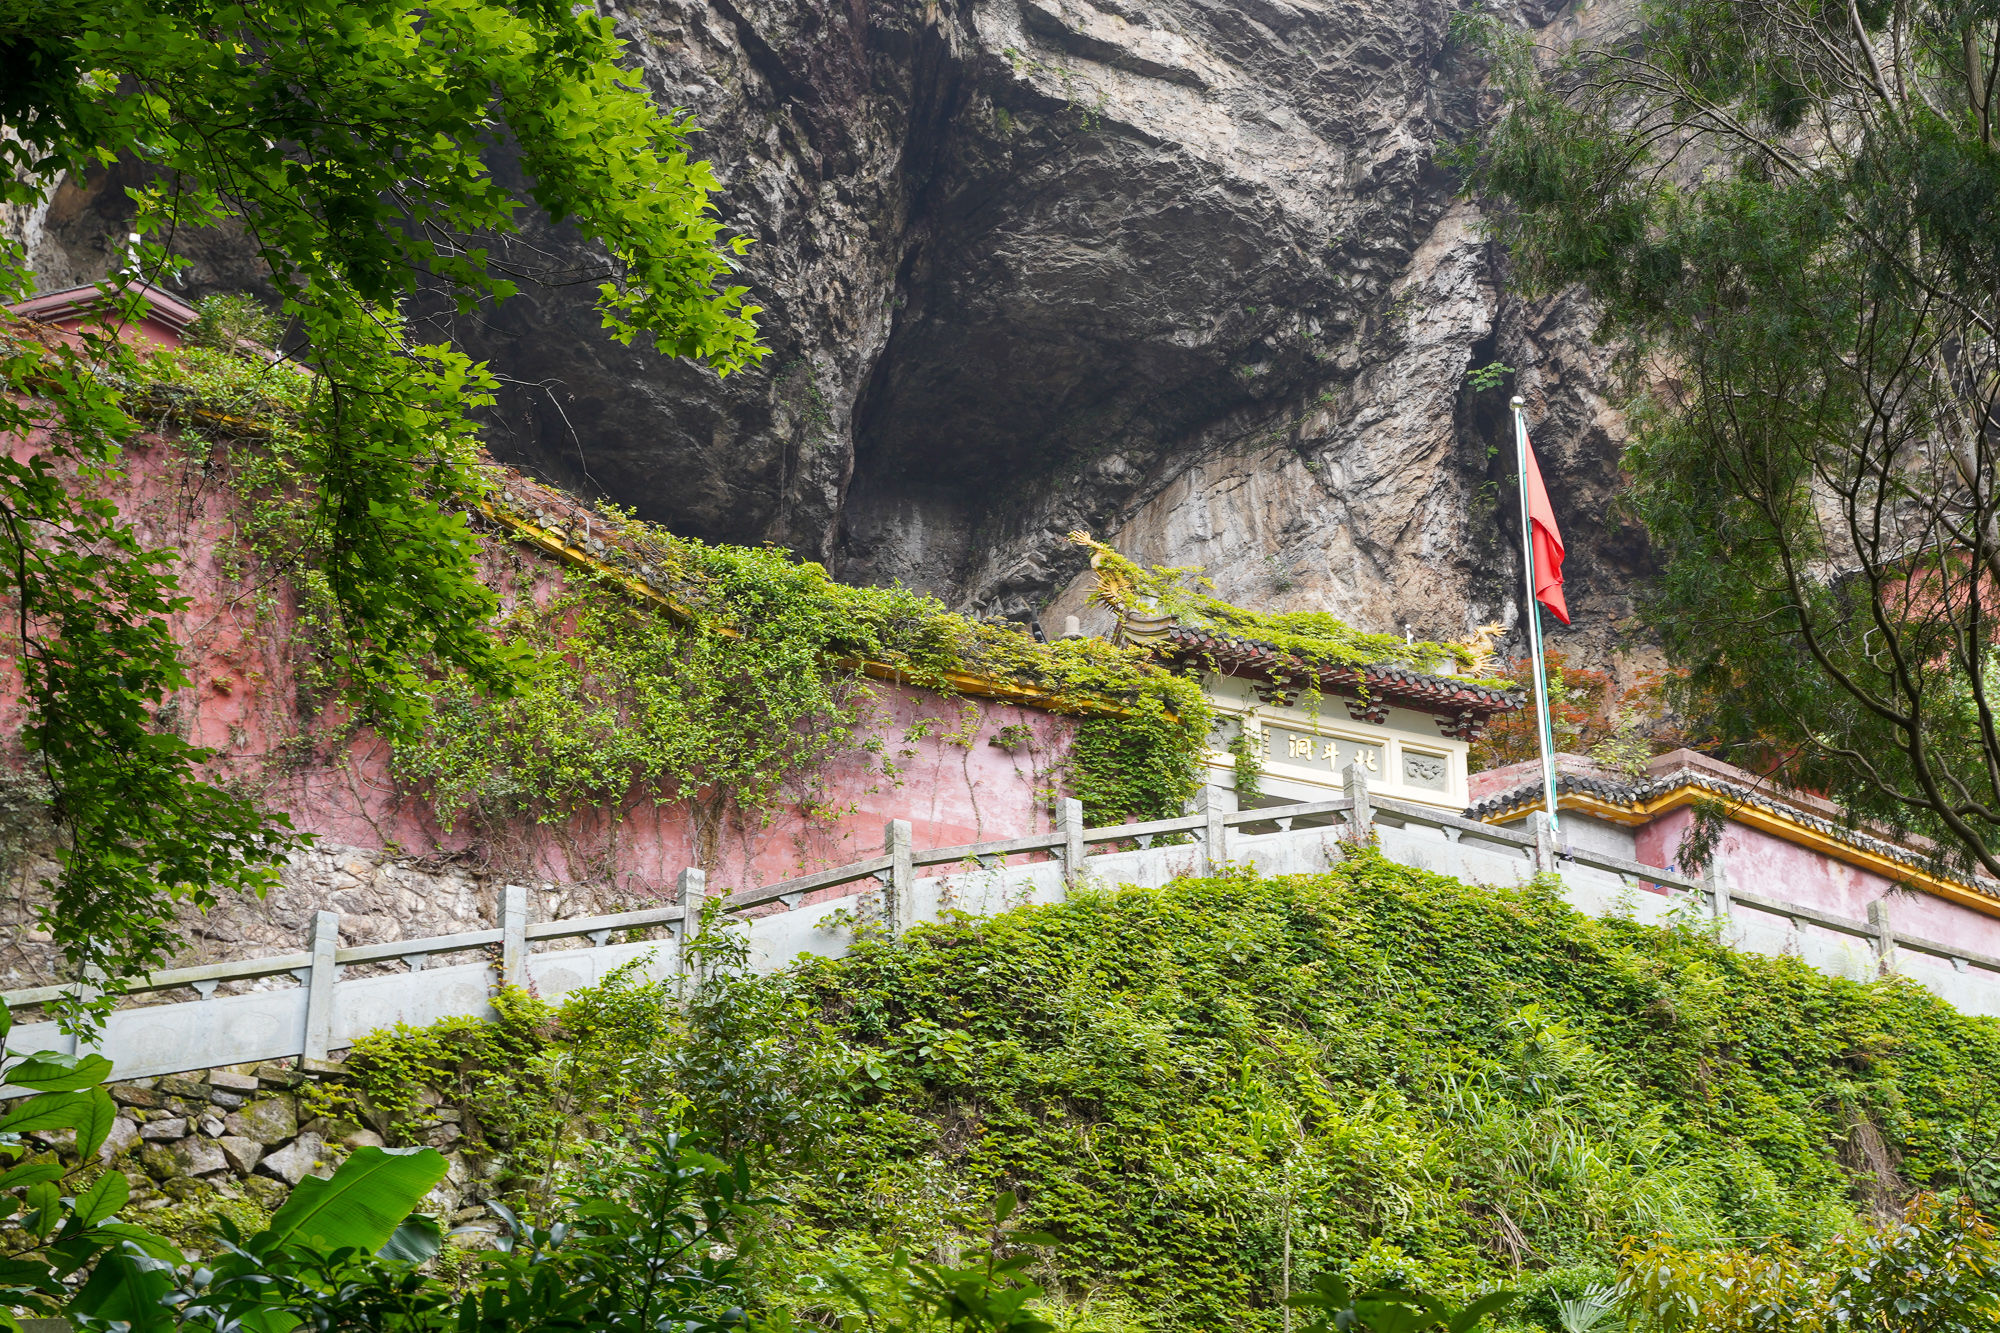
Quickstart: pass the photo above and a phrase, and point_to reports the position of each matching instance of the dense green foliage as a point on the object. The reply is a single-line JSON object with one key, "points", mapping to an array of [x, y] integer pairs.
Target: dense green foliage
{"points": [[1936, 1269], [655, 1237], [55, 1216], [1376, 1071], [88, 610], [350, 144], [1787, 213], [646, 1248], [638, 692], [637, 700]]}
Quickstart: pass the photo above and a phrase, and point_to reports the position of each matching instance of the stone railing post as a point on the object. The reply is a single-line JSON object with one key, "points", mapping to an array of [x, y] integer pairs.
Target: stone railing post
{"points": [[1885, 936], [1214, 835], [514, 935], [1545, 843], [901, 907], [1361, 819], [1715, 886], [690, 891], [321, 973], [1069, 823]]}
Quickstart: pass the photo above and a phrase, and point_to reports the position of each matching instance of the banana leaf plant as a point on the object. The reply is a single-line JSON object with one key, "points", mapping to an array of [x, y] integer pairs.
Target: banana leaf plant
{"points": [[57, 1216], [351, 1242]]}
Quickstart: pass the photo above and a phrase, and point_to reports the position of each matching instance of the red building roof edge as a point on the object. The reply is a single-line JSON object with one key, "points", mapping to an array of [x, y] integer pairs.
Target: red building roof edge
{"points": [[1417, 690], [78, 301]]}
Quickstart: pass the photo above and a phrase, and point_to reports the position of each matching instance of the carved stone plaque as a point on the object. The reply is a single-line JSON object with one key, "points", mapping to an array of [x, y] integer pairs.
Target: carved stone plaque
{"points": [[1432, 771]]}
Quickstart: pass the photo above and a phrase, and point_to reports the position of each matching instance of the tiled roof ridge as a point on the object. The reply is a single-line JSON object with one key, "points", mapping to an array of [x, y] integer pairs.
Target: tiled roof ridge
{"points": [[1407, 682], [1638, 791], [87, 297], [561, 512]]}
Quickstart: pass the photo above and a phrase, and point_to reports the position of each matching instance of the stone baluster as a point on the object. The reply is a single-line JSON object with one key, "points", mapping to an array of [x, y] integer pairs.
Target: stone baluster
{"points": [[321, 973], [1069, 822], [1360, 819], [690, 893], [1209, 804], [901, 909]]}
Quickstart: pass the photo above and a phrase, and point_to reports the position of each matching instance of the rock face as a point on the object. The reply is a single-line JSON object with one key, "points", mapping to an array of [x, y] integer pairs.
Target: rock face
{"points": [[1186, 273]]}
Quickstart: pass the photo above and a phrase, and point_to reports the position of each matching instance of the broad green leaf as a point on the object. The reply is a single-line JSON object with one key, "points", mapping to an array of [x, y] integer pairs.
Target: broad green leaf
{"points": [[414, 1240], [94, 1122], [1470, 1317], [45, 1207], [49, 1072], [29, 1173], [268, 1319], [128, 1287], [27, 1273], [48, 1110], [360, 1205], [105, 1197], [146, 1242]]}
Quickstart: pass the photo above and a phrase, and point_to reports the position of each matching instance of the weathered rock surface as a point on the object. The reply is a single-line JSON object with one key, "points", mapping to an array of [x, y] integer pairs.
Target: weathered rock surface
{"points": [[268, 1122], [243, 1154], [304, 1156], [1185, 273], [123, 1134], [199, 1157], [199, 1169]]}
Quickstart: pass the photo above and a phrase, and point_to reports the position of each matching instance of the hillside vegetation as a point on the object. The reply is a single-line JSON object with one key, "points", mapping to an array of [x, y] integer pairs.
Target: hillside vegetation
{"points": [[1200, 1089]]}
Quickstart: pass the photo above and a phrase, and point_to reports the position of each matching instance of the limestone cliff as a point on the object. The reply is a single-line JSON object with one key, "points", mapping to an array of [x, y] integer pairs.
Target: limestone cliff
{"points": [[1182, 272]]}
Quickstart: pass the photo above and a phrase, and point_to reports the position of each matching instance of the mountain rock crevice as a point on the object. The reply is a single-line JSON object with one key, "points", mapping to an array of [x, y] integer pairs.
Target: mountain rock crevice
{"points": [[1185, 273]]}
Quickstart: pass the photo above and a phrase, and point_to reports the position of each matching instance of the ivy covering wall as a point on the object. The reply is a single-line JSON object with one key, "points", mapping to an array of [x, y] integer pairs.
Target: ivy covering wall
{"points": [[758, 681], [643, 693], [1203, 1088], [643, 685]]}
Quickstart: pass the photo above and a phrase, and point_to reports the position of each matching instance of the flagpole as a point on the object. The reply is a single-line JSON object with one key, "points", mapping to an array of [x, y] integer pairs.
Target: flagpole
{"points": [[1544, 735]]}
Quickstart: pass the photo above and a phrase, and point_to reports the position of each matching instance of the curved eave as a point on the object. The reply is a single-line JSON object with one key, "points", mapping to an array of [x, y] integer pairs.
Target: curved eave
{"points": [[1247, 658]]}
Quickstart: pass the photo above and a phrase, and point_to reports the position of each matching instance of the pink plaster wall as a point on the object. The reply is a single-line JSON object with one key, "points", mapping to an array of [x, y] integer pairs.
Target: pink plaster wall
{"points": [[1770, 867], [1658, 843], [244, 702]]}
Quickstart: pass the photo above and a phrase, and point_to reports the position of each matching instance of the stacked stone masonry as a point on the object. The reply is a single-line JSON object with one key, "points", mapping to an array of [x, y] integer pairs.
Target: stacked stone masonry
{"points": [[249, 1132]]}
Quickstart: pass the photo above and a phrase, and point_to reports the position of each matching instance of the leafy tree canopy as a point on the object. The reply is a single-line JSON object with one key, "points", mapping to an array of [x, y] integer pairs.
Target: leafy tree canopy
{"points": [[1790, 212], [356, 147]]}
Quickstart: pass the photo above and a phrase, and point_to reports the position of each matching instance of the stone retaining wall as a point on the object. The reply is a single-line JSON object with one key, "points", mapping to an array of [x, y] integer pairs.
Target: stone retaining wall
{"points": [[250, 1133]]}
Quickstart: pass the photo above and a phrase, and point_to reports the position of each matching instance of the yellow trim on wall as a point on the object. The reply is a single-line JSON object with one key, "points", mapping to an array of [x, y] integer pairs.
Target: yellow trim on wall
{"points": [[1790, 830]]}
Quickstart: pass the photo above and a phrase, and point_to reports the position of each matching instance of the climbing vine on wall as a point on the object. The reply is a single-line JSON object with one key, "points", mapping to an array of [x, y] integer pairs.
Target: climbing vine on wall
{"points": [[1247, 759], [630, 701], [679, 670], [234, 418], [756, 677]]}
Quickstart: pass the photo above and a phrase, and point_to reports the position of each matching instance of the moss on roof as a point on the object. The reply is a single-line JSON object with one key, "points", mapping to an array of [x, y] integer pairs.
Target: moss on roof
{"points": [[1314, 637]]}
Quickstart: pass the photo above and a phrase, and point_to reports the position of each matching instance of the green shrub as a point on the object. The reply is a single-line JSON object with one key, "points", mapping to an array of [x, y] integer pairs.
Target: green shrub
{"points": [[1201, 1090], [1375, 1070]]}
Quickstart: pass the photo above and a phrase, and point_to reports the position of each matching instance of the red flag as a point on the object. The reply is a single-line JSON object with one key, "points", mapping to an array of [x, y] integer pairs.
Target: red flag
{"points": [[1547, 539]]}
